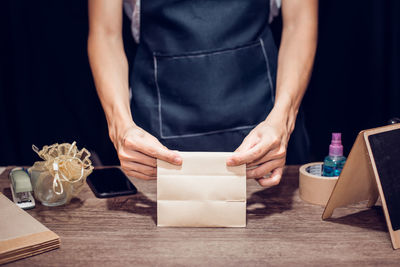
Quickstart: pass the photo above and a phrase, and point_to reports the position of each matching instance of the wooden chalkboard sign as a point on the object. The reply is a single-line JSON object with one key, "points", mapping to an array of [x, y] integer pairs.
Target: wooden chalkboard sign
{"points": [[372, 170]]}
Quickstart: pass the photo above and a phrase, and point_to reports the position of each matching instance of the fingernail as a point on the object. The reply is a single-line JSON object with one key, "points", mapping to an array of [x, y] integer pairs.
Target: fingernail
{"points": [[277, 177], [229, 162], [177, 160]]}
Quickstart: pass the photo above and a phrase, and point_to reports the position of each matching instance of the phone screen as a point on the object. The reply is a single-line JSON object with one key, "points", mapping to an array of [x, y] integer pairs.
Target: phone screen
{"points": [[110, 182]]}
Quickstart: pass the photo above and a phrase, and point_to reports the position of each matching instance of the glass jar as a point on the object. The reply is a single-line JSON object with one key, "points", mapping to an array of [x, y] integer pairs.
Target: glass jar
{"points": [[45, 193]]}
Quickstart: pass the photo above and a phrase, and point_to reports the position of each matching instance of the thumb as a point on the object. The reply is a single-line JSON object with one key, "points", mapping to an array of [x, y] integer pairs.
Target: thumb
{"points": [[247, 144], [157, 150]]}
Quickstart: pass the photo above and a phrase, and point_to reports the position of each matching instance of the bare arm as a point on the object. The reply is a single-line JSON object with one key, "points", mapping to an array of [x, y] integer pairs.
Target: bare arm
{"points": [[108, 62], [265, 146], [296, 54], [137, 149]]}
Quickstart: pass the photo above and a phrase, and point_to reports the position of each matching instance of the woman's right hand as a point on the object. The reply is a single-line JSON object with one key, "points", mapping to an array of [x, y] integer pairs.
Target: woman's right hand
{"points": [[138, 152]]}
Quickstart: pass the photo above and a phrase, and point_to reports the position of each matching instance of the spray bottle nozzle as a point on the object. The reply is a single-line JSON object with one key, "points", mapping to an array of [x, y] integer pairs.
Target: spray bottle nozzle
{"points": [[336, 148]]}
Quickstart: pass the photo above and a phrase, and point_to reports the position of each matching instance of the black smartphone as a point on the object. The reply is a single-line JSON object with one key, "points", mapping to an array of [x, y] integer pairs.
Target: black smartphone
{"points": [[110, 182]]}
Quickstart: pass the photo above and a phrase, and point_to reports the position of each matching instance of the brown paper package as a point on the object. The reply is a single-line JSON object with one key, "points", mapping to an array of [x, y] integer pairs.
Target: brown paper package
{"points": [[202, 192]]}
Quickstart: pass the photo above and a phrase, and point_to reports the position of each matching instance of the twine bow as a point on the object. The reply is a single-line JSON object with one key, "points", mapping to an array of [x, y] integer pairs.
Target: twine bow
{"points": [[62, 165]]}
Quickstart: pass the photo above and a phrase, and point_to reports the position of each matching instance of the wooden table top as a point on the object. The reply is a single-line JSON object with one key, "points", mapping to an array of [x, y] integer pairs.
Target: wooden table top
{"points": [[281, 230]]}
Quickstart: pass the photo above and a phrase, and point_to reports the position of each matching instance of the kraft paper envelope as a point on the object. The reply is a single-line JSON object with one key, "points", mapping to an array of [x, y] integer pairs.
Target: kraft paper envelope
{"points": [[202, 192]]}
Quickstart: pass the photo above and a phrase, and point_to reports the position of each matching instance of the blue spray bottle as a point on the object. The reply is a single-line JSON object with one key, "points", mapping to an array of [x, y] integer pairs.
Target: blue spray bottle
{"points": [[334, 162]]}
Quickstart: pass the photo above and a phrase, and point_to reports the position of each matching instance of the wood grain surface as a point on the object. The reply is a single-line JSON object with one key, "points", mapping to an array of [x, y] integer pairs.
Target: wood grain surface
{"points": [[282, 230]]}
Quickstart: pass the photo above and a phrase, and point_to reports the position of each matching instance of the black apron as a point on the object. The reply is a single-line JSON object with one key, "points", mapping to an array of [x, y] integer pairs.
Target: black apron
{"points": [[204, 73]]}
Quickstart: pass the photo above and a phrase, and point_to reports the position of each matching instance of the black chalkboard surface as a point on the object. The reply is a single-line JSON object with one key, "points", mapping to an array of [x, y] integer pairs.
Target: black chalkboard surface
{"points": [[385, 148]]}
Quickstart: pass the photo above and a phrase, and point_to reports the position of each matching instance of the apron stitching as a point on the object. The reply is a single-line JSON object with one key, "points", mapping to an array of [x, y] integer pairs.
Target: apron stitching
{"points": [[200, 54], [268, 70], [210, 132], [158, 94]]}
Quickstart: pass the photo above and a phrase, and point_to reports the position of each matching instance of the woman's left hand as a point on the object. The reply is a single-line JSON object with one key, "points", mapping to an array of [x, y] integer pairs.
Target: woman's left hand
{"points": [[264, 150]]}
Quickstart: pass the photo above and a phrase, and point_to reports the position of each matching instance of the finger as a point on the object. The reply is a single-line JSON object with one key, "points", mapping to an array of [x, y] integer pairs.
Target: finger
{"points": [[139, 175], [247, 144], [273, 180], [135, 166], [264, 168], [166, 155], [256, 153], [277, 153], [136, 156], [250, 155], [155, 149]]}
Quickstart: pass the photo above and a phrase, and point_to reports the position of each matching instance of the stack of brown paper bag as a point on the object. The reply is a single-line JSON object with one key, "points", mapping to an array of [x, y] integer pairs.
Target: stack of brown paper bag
{"points": [[21, 235], [202, 192]]}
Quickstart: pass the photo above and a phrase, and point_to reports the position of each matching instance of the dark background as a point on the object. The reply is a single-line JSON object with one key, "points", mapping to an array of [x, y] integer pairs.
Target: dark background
{"points": [[47, 93]]}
